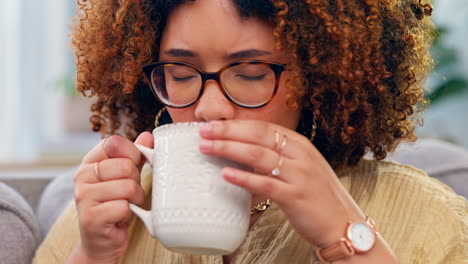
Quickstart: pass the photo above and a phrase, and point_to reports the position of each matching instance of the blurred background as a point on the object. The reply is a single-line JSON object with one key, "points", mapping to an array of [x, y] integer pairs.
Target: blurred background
{"points": [[44, 123]]}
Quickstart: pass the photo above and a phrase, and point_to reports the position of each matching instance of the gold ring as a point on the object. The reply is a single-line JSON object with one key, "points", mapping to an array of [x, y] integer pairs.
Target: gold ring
{"points": [[277, 140], [280, 143], [283, 143], [96, 172], [277, 170]]}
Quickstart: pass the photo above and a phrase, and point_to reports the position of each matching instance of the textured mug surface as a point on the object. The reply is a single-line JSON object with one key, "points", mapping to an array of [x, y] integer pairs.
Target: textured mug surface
{"points": [[194, 210]]}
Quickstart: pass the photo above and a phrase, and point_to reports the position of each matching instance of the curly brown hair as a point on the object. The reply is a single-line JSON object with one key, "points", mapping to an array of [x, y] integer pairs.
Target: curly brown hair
{"points": [[358, 66]]}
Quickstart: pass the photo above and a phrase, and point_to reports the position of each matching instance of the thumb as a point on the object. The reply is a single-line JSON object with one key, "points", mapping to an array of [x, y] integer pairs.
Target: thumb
{"points": [[144, 139]]}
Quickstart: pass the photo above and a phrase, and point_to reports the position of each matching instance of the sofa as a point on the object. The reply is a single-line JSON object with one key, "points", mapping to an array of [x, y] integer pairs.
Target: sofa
{"points": [[24, 224]]}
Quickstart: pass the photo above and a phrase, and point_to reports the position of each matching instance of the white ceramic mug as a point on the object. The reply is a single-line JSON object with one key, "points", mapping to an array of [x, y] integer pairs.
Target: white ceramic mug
{"points": [[194, 210]]}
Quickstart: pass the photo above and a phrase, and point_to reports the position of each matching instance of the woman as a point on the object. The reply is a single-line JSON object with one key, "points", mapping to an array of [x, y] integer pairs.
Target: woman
{"points": [[327, 82]]}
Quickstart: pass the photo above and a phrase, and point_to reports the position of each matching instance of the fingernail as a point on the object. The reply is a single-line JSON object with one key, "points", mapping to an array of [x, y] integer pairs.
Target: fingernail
{"points": [[206, 129], [206, 145], [105, 146]]}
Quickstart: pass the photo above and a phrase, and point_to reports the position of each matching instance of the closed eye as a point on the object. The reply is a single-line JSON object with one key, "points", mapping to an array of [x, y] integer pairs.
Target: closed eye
{"points": [[251, 78], [182, 79]]}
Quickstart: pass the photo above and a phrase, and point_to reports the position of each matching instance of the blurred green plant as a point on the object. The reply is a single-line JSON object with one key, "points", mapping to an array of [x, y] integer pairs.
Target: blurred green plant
{"points": [[446, 80], [66, 83]]}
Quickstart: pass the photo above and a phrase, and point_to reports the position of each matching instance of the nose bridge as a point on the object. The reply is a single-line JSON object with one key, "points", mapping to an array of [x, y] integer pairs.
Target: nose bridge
{"points": [[211, 76], [213, 104], [214, 77]]}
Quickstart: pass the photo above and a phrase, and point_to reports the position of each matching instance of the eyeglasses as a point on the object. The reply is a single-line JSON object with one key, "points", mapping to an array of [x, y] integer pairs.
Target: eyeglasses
{"points": [[249, 84]]}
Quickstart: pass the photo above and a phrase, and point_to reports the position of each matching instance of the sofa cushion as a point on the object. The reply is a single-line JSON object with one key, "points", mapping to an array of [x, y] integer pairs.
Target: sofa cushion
{"points": [[54, 199], [18, 228], [439, 159]]}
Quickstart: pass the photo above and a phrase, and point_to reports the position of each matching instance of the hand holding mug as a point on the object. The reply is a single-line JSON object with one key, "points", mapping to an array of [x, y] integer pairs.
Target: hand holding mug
{"points": [[107, 180]]}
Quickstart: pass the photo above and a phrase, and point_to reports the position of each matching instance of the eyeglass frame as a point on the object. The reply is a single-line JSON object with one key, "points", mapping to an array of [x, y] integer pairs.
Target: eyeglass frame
{"points": [[277, 68]]}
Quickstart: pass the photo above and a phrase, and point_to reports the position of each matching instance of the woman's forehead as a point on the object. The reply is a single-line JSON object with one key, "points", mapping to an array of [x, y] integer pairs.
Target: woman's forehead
{"points": [[215, 25]]}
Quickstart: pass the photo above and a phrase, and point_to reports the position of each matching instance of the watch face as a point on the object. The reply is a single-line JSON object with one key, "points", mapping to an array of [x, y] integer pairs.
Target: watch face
{"points": [[362, 237]]}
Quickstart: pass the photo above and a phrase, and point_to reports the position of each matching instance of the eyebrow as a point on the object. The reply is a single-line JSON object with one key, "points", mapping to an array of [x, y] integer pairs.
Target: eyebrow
{"points": [[179, 53], [244, 54]]}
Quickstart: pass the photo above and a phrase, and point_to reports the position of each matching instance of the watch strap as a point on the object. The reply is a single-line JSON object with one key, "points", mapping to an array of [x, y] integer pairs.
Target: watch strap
{"points": [[336, 251], [343, 248]]}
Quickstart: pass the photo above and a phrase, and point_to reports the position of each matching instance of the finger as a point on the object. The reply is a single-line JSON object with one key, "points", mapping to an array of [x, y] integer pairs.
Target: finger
{"points": [[108, 213], [262, 159], [115, 169], [145, 139], [113, 147], [273, 188], [98, 153], [107, 170], [259, 133], [114, 190], [112, 212]]}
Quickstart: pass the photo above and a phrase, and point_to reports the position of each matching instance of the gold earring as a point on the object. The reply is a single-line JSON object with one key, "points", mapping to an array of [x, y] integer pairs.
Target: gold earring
{"points": [[314, 128], [305, 130], [158, 117]]}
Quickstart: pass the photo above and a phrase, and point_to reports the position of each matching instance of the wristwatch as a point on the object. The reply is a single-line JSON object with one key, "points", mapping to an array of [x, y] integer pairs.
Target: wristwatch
{"points": [[359, 238]]}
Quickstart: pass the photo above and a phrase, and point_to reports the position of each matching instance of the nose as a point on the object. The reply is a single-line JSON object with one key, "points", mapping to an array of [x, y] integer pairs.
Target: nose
{"points": [[213, 105]]}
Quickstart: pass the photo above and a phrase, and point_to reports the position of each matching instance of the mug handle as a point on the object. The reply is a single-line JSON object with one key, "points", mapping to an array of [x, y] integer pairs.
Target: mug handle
{"points": [[144, 215], [147, 152]]}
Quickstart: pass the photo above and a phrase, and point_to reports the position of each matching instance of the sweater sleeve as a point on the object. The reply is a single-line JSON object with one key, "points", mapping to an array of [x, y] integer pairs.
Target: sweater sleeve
{"points": [[422, 219], [447, 236]]}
